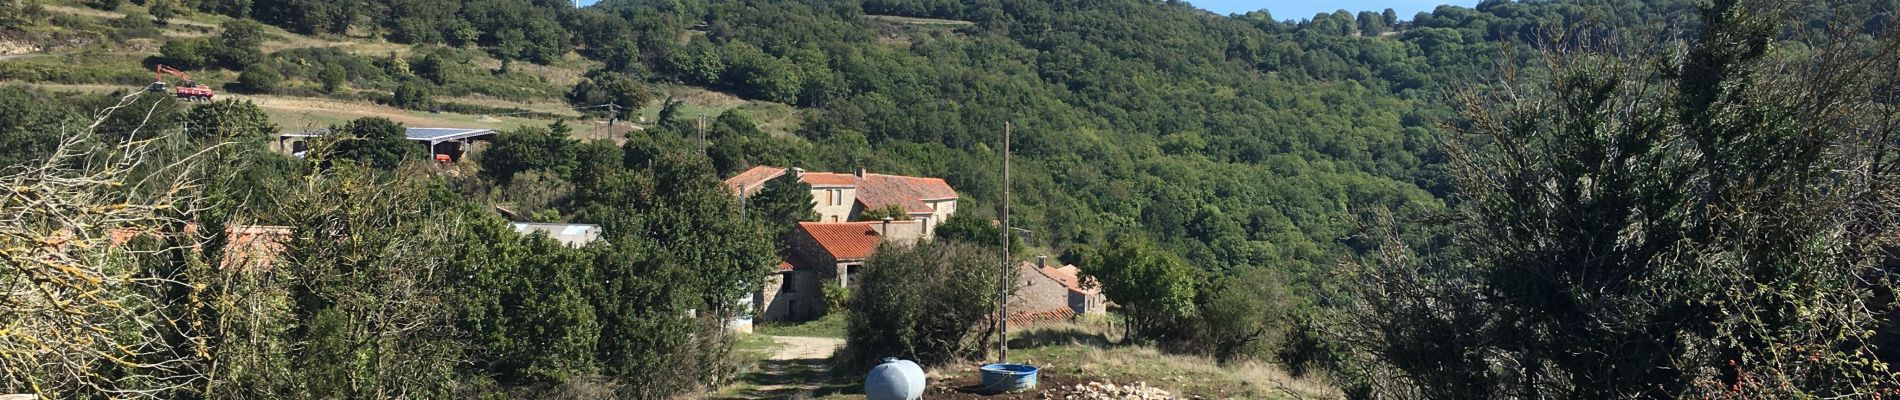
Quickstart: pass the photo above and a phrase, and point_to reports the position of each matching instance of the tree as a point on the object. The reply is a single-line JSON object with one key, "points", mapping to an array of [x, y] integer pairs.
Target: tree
{"points": [[780, 205], [1246, 315], [162, 11], [433, 67], [373, 141], [56, 343], [970, 228], [332, 77], [413, 95], [29, 127], [1155, 289], [934, 303], [229, 120], [362, 277], [609, 88], [239, 43], [187, 53], [529, 149], [1676, 225], [259, 80]]}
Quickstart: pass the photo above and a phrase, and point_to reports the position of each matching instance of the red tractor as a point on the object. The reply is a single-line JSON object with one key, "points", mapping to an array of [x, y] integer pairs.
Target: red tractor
{"points": [[187, 90]]}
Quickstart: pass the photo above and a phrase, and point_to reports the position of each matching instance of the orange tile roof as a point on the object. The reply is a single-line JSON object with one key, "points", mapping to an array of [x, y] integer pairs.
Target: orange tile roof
{"points": [[248, 247], [1070, 277], [1032, 317], [909, 193], [843, 240], [873, 190], [751, 180], [828, 179]]}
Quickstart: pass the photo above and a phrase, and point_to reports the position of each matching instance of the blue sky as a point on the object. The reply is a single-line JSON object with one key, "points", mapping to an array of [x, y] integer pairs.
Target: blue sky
{"points": [[1304, 9]]}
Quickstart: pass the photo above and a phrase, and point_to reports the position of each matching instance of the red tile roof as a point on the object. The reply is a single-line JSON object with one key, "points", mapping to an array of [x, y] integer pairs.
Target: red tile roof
{"points": [[828, 179], [843, 240], [873, 190], [248, 247], [1032, 317], [879, 191], [1070, 277], [751, 180]]}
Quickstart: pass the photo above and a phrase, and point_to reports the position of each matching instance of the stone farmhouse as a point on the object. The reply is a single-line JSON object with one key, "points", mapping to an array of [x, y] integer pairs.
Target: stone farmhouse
{"points": [[841, 197]]}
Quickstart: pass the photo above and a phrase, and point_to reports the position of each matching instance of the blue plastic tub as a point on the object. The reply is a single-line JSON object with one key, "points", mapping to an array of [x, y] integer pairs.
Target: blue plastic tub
{"points": [[1004, 378]]}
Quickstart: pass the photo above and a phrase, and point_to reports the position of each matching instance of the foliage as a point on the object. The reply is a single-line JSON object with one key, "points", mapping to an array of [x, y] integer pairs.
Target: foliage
{"points": [[373, 141], [92, 324], [259, 80], [529, 149], [413, 95], [332, 77], [29, 128], [362, 262], [1154, 288], [933, 303], [1244, 316], [620, 94], [229, 120], [1655, 224], [187, 53], [239, 43], [735, 143], [162, 10], [893, 211], [780, 205]]}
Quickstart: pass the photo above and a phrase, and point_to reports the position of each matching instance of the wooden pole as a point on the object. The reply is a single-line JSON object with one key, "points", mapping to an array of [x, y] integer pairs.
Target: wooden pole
{"points": [[1002, 287]]}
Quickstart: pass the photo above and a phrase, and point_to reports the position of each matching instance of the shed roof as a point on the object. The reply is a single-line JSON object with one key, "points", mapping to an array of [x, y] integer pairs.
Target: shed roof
{"points": [[573, 235], [416, 134]]}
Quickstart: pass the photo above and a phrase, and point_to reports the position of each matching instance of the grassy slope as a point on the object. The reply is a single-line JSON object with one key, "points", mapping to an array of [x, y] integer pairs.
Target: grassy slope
{"points": [[114, 66], [1071, 354]]}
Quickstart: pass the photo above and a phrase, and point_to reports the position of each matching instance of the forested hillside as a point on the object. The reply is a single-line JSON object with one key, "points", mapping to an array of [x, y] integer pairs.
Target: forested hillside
{"points": [[1239, 183]]}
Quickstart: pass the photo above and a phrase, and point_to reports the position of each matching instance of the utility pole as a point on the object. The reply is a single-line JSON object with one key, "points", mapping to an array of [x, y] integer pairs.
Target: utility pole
{"points": [[1003, 281], [701, 123]]}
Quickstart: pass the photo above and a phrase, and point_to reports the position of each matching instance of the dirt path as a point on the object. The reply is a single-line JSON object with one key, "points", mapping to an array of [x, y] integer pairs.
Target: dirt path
{"points": [[801, 368], [798, 348]]}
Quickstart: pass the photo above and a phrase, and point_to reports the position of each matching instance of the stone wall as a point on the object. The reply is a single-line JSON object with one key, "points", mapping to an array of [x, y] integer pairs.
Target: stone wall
{"points": [[1036, 291]]}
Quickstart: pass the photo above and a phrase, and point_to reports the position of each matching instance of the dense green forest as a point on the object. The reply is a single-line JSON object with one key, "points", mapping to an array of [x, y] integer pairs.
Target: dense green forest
{"points": [[1388, 202]]}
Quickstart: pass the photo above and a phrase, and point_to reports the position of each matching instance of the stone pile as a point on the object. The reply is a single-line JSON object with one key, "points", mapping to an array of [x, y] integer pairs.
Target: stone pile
{"points": [[1111, 391]]}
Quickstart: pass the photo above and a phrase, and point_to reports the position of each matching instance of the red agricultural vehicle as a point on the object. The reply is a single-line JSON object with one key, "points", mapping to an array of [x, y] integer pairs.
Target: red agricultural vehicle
{"points": [[187, 89]]}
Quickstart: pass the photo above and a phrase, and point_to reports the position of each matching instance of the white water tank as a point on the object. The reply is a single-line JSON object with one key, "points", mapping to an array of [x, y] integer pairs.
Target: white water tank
{"points": [[894, 380]]}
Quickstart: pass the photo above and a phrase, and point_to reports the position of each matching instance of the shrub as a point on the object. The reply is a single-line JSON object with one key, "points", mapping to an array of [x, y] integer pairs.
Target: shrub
{"points": [[162, 11], [374, 141], [413, 95], [932, 303], [259, 80], [187, 53], [134, 25]]}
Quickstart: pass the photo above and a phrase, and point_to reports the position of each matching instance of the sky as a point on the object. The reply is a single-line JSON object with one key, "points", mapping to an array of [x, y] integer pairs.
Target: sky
{"points": [[1303, 9]]}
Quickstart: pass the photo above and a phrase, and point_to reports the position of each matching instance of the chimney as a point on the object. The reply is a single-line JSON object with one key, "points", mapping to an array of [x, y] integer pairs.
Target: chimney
{"points": [[1042, 262], [887, 224], [859, 172]]}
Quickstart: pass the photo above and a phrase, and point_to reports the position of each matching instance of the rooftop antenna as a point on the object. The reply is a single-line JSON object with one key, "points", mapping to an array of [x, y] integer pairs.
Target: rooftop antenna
{"points": [[1002, 285]]}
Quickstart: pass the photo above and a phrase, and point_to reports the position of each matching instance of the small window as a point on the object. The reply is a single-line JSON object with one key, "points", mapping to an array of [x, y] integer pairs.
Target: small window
{"points": [[791, 285], [834, 218]]}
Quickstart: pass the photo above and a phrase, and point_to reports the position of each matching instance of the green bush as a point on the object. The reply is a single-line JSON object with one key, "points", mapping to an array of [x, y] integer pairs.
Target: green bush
{"points": [[932, 303], [134, 25], [259, 80], [413, 95], [187, 53]]}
